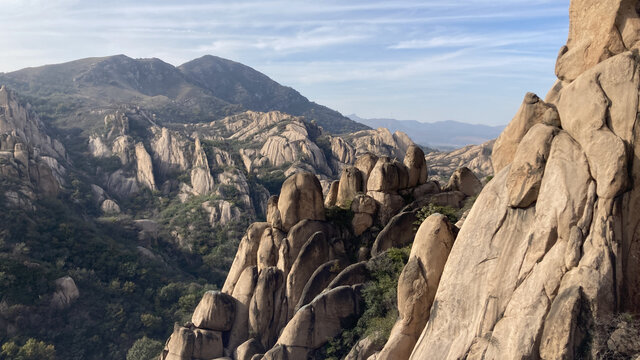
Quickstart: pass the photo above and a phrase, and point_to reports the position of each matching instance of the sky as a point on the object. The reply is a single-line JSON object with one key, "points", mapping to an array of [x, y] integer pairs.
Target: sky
{"points": [[431, 60]]}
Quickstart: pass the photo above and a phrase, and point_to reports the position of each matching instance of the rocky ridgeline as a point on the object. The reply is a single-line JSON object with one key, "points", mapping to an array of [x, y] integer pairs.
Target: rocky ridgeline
{"points": [[298, 277], [31, 162], [204, 159], [476, 158]]}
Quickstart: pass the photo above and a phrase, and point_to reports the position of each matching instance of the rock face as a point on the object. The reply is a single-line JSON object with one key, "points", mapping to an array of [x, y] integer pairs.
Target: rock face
{"points": [[300, 198], [417, 285], [293, 284], [417, 166], [66, 293], [465, 181], [532, 281], [216, 311]]}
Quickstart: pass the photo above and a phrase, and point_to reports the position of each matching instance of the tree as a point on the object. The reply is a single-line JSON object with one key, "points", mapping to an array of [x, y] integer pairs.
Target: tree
{"points": [[31, 350], [144, 349]]}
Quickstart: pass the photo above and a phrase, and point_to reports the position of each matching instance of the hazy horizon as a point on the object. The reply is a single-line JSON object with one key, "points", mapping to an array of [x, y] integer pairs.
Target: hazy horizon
{"points": [[428, 61]]}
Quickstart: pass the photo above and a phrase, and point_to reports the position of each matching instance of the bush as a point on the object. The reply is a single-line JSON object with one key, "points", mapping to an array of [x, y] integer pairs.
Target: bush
{"points": [[451, 213], [380, 304], [144, 349], [31, 350]]}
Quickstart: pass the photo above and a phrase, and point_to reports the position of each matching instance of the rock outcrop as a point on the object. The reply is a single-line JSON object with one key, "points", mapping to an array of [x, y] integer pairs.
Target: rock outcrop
{"points": [[293, 283], [550, 248]]}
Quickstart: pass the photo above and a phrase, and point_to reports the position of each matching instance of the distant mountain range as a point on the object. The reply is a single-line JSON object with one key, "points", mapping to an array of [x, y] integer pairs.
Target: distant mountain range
{"points": [[202, 90], [442, 135]]}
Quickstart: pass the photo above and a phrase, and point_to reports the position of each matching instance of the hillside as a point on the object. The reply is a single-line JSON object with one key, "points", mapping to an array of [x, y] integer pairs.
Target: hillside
{"points": [[75, 94]]}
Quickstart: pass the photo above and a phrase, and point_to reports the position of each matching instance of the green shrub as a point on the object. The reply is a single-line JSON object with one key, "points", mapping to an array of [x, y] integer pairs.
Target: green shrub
{"points": [[31, 350], [380, 305], [452, 214], [144, 349]]}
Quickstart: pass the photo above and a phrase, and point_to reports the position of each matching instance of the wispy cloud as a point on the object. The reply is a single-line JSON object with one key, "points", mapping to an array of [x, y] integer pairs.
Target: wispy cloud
{"points": [[337, 52]]}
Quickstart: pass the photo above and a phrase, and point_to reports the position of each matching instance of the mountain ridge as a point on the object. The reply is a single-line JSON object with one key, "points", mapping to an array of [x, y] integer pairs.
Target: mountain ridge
{"points": [[443, 135]]}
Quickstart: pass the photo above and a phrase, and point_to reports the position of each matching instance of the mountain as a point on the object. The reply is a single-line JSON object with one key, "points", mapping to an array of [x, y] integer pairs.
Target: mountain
{"points": [[444, 135], [115, 220], [239, 84], [74, 94]]}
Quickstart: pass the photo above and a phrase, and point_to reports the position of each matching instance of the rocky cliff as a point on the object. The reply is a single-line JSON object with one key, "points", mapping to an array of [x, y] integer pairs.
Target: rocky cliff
{"points": [[298, 279], [31, 162]]}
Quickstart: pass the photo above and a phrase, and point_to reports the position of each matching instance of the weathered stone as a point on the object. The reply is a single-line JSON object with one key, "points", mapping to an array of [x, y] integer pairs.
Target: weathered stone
{"points": [[364, 204], [144, 173], [273, 213], [398, 233], [207, 344], [465, 181], [350, 185], [600, 124], [563, 335], [318, 281], [266, 306], [361, 222], [384, 177], [180, 344], [417, 166], [527, 169], [364, 348], [242, 293], [388, 204], [314, 324], [301, 232], [66, 293], [248, 349], [353, 274], [597, 31], [532, 111], [452, 199], [365, 164], [314, 253], [417, 285], [332, 195], [216, 311], [246, 256], [300, 198], [110, 207], [270, 242], [201, 179]]}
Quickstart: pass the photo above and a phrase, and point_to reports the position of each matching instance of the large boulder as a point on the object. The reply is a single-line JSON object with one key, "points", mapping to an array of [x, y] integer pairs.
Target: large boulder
{"points": [[273, 213], [332, 195], [465, 181], [315, 252], [318, 281], [216, 311], [300, 198], [350, 185], [417, 285], [248, 349], [300, 233], [389, 204], [266, 306], [364, 348], [207, 344], [416, 165], [246, 256], [399, 232], [314, 324], [180, 344], [365, 163], [532, 111], [384, 177], [270, 243], [242, 293]]}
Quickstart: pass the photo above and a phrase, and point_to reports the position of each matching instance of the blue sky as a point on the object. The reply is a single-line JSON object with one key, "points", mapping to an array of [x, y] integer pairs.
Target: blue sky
{"points": [[428, 60]]}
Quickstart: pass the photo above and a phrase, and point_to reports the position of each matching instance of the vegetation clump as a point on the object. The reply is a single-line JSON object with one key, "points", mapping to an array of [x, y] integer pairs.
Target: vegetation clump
{"points": [[379, 299]]}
